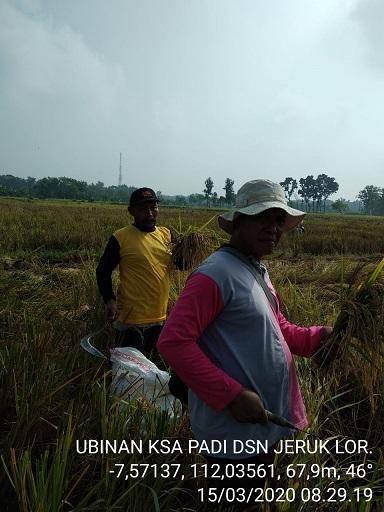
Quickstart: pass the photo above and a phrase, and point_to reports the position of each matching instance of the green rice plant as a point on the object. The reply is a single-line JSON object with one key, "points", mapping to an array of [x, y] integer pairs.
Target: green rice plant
{"points": [[40, 484], [178, 278], [322, 470], [114, 418]]}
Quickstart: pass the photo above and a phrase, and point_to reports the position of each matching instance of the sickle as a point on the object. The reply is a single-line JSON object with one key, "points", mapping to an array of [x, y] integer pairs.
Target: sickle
{"points": [[279, 420]]}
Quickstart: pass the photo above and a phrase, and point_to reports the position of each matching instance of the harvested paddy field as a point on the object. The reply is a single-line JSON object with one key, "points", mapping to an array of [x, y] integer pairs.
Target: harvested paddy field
{"points": [[53, 393]]}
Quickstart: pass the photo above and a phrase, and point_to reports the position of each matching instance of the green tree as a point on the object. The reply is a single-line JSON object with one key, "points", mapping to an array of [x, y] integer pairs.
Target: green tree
{"points": [[379, 210], [229, 192], [371, 197], [180, 200], [4, 191], [120, 194], [208, 190], [308, 191], [289, 185], [13, 185], [30, 183], [196, 199], [61, 188], [47, 187], [326, 186], [96, 192], [340, 205]]}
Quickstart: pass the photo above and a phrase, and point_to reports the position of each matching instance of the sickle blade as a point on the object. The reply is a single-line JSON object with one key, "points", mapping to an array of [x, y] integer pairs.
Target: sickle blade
{"points": [[86, 344]]}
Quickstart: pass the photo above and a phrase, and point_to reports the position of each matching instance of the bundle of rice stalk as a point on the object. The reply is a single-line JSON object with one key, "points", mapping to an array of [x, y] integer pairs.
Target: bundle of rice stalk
{"points": [[352, 367], [192, 245], [355, 352]]}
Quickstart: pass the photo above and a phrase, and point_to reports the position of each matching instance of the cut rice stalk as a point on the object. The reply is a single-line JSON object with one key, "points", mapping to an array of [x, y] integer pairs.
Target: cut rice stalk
{"points": [[192, 245], [354, 361], [356, 349]]}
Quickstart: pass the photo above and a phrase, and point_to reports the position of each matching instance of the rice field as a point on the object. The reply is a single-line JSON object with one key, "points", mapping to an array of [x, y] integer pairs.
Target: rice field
{"points": [[54, 395]]}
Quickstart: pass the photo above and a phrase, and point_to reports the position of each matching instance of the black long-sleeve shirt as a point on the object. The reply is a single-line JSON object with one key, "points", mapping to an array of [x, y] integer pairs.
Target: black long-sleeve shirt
{"points": [[108, 262]]}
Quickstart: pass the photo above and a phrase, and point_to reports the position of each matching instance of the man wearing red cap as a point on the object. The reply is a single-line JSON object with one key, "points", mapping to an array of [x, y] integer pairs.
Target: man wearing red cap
{"points": [[143, 251]]}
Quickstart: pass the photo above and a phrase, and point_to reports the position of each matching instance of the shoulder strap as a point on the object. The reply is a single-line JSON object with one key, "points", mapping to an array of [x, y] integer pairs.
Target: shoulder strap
{"points": [[256, 274]]}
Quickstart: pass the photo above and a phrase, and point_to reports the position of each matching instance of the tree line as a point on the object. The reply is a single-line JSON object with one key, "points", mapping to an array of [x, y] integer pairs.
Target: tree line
{"points": [[313, 192], [69, 188], [310, 193], [62, 188]]}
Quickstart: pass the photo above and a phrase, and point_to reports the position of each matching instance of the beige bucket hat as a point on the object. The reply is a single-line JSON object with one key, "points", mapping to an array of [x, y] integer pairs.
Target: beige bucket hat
{"points": [[255, 197]]}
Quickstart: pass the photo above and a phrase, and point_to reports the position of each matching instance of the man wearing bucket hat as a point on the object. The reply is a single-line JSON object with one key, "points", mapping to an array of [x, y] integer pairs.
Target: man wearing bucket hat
{"points": [[142, 251], [228, 340]]}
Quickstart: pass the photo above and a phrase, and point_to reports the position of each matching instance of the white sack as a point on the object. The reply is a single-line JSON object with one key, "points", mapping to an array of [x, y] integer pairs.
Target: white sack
{"points": [[136, 377]]}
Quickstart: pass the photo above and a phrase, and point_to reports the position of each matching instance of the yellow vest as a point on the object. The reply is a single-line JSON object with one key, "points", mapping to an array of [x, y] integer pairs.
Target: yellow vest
{"points": [[143, 291]]}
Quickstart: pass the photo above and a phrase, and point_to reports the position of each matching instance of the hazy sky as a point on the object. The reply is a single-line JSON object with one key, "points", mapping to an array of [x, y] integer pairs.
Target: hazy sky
{"points": [[187, 89]]}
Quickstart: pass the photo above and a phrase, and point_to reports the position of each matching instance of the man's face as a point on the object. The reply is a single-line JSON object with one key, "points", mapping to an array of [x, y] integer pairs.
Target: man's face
{"points": [[258, 235], [144, 215]]}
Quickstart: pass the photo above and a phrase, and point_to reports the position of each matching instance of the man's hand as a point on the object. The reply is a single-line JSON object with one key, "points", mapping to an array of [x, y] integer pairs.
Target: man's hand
{"points": [[327, 350], [110, 310], [248, 408]]}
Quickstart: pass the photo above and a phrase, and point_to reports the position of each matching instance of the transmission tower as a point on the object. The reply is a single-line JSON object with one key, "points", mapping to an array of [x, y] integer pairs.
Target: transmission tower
{"points": [[120, 174]]}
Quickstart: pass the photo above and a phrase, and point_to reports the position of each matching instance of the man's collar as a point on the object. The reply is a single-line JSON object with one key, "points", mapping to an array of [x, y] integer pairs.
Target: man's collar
{"points": [[144, 230], [254, 261]]}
